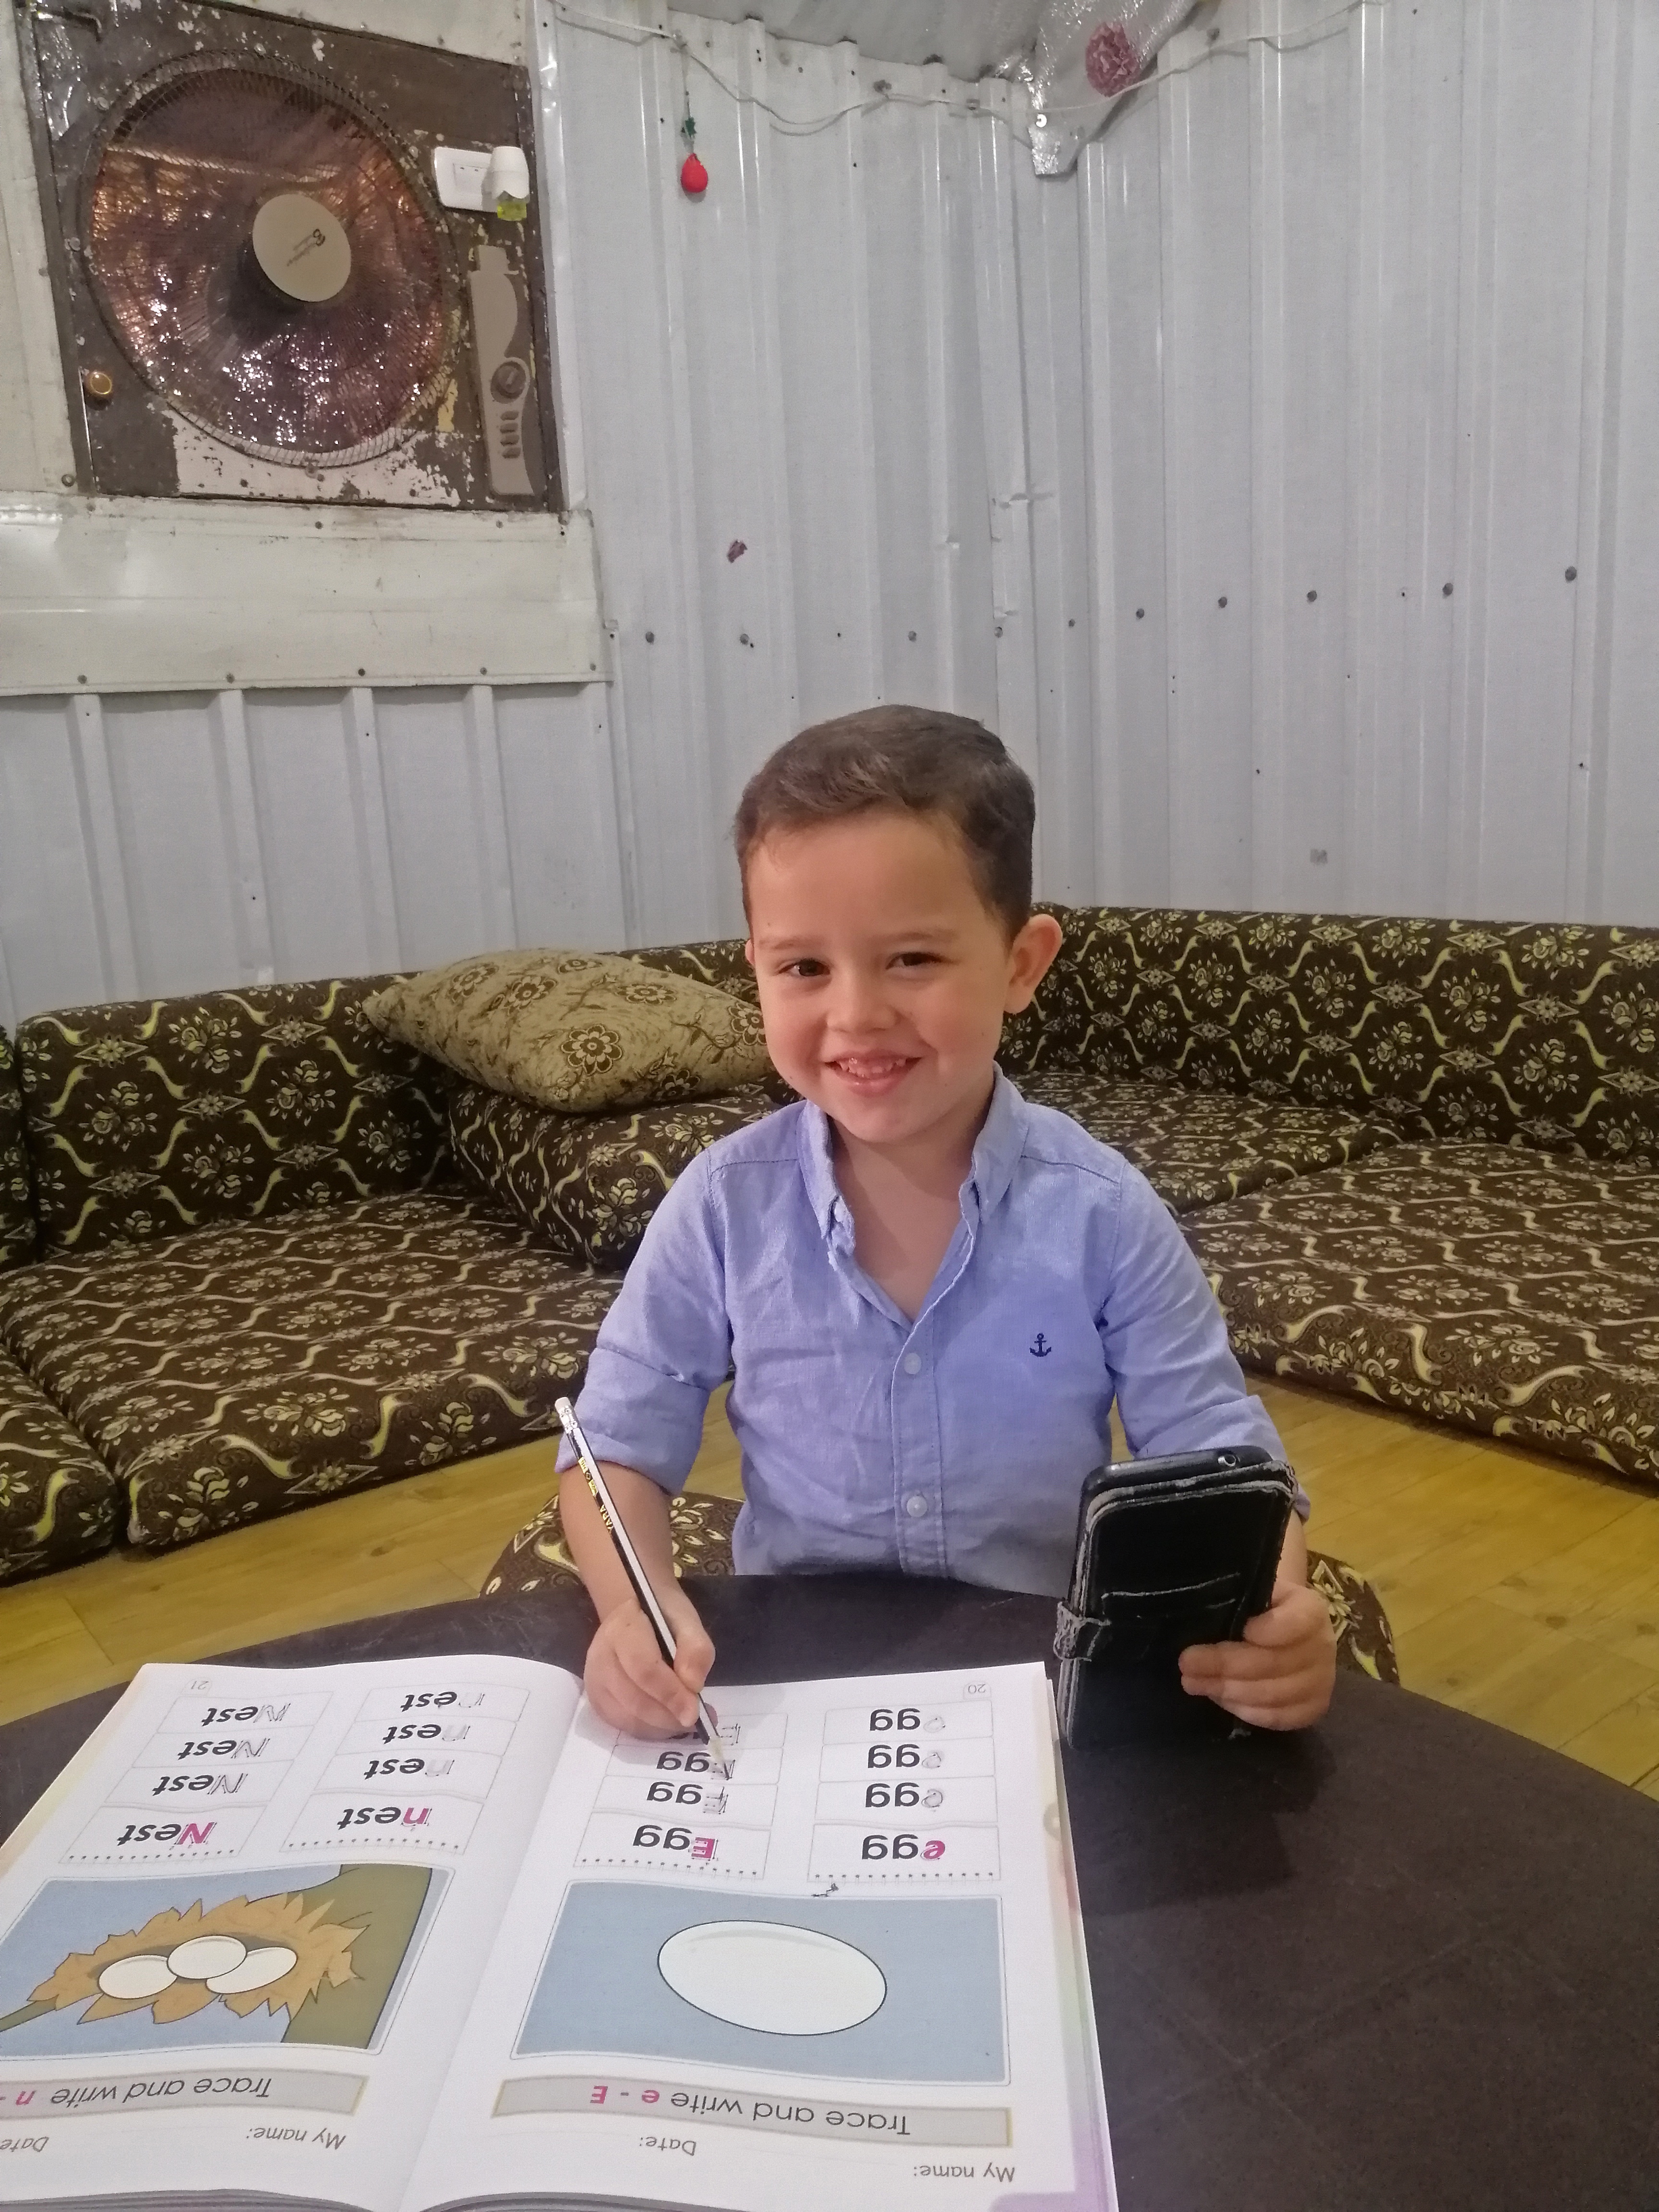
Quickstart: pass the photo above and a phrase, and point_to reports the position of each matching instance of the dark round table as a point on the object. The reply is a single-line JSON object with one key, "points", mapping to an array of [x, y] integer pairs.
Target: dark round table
{"points": [[1405, 1962]]}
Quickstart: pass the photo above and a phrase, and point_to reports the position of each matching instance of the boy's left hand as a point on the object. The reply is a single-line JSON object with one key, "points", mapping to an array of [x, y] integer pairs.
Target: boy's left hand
{"points": [[1281, 1674]]}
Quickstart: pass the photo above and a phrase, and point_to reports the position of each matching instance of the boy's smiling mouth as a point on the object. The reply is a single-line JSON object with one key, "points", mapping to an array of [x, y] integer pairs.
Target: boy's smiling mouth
{"points": [[871, 1073]]}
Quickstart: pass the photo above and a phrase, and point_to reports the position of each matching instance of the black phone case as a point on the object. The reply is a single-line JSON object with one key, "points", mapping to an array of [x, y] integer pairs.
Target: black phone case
{"points": [[1169, 1551]]}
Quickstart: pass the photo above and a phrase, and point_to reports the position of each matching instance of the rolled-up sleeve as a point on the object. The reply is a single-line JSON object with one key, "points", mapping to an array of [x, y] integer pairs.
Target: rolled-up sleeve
{"points": [[1178, 1387], [664, 1345]]}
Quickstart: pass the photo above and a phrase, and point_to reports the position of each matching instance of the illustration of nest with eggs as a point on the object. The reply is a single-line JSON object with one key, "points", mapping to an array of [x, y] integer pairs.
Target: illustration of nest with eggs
{"points": [[326, 1955]]}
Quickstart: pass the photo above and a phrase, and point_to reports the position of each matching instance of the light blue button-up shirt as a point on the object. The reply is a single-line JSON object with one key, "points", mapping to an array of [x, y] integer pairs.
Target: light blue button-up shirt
{"points": [[955, 1444]]}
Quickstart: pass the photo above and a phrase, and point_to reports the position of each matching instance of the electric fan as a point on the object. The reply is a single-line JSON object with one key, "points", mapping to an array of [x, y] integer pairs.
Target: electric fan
{"points": [[269, 262]]}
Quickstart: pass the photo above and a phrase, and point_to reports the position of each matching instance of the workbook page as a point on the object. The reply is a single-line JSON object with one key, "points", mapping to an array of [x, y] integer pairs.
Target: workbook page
{"points": [[847, 1972], [238, 1940]]}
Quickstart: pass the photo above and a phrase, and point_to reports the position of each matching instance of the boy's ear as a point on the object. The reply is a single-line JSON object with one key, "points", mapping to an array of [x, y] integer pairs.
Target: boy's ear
{"points": [[1031, 957], [749, 950]]}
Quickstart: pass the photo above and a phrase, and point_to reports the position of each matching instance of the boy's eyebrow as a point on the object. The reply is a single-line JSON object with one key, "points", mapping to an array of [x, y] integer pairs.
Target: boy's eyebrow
{"points": [[924, 932]]}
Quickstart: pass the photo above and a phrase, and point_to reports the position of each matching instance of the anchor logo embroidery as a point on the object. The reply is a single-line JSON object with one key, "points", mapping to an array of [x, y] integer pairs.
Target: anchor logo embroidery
{"points": [[1040, 1346]]}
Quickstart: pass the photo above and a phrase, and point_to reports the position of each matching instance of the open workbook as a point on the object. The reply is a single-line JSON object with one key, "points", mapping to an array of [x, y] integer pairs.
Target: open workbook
{"points": [[423, 1934]]}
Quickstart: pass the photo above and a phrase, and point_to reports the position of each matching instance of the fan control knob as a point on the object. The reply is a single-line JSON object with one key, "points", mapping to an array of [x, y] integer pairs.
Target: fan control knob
{"points": [[301, 248], [509, 380]]}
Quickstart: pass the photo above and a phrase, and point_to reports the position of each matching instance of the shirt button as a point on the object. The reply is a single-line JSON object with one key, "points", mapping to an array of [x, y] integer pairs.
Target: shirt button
{"points": [[916, 1505], [912, 1366]]}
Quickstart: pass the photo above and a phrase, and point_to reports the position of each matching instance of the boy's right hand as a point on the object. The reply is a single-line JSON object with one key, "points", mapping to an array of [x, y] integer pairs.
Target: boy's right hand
{"points": [[629, 1681]]}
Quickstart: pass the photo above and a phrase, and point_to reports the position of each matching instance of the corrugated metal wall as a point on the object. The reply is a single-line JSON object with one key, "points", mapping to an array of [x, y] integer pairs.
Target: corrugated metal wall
{"points": [[1237, 481]]}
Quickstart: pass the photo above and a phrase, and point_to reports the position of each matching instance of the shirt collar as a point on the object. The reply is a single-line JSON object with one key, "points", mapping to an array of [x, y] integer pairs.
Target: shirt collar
{"points": [[997, 1149]]}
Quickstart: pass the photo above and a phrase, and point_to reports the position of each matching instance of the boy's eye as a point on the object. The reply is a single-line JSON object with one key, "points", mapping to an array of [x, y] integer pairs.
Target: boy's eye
{"points": [[915, 959], [804, 969]]}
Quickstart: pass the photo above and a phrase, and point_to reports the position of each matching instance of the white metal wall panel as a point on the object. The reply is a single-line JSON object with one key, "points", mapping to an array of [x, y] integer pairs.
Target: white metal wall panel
{"points": [[1299, 460], [1404, 152], [1047, 232], [619, 105], [323, 832], [1525, 153], [1360, 307], [561, 832], [1120, 186], [169, 781], [1206, 315], [1624, 880], [53, 945], [824, 313], [735, 434]]}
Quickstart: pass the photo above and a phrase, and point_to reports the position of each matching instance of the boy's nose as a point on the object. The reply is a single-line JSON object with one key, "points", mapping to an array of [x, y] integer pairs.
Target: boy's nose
{"points": [[859, 1006]]}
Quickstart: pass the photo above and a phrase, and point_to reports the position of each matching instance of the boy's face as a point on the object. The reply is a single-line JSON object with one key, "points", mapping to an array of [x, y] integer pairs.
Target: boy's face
{"points": [[884, 976]]}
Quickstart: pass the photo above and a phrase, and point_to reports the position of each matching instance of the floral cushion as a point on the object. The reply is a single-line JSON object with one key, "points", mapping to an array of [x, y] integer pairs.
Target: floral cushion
{"points": [[538, 1557], [258, 1366], [1196, 1147], [150, 1116], [579, 1031], [1527, 1033], [587, 1182], [58, 1502], [17, 1225], [1513, 1292], [1364, 1640]]}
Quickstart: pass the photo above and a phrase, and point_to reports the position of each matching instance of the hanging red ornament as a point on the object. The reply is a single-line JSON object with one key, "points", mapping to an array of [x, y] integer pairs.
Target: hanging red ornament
{"points": [[694, 177], [1111, 60]]}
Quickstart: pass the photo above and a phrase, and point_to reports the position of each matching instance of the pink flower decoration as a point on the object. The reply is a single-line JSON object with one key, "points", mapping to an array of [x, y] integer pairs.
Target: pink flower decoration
{"points": [[1112, 60]]}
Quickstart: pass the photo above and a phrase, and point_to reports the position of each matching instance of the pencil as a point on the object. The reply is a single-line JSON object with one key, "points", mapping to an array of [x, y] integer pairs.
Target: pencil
{"points": [[634, 1568]]}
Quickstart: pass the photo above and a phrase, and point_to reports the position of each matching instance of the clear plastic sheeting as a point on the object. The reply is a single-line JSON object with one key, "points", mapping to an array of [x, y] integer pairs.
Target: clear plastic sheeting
{"points": [[1085, 57], [170, 228], [971, 37]]}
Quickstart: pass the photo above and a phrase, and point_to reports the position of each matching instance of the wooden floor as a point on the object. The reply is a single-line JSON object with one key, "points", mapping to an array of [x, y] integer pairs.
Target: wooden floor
{"points": [[1519, 1588]]}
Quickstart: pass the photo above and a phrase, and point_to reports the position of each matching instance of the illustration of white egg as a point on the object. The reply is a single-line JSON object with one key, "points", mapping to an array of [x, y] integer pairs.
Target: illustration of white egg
{"points": [[141, 1975], [766, 1975], [201, 1957], [256, 1972]]}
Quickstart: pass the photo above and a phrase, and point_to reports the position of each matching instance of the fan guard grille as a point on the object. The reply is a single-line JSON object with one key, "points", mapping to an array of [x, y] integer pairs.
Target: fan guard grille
{"points": [[183, 169]]}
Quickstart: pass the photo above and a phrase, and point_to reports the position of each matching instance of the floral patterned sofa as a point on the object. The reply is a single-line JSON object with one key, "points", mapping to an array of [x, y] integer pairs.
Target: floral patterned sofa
{"points": [[252, 1254], [1494, 1261], [244, 1276], [1419, 1160]]}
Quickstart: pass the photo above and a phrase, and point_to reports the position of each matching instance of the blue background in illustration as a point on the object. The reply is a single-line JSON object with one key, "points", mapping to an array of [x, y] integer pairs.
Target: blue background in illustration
{"points": [[600, 1989]]}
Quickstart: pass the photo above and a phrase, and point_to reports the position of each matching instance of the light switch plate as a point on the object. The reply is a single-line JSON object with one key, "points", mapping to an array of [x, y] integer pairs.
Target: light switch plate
{"points": [[458, 172]]}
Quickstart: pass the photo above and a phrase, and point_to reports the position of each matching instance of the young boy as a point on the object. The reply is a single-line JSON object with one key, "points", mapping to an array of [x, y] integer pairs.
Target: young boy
{"points": [[932, 1291]]}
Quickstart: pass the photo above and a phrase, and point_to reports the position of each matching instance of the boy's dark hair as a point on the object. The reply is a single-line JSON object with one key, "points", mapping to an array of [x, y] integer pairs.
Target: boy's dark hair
{"points": [[908, 760]]}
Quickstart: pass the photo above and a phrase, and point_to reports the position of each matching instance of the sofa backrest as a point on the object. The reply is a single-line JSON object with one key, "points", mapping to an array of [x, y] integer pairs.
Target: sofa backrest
{"points": [[719, 961], [1543, 1033], [17, 1222], [150, 1116]]}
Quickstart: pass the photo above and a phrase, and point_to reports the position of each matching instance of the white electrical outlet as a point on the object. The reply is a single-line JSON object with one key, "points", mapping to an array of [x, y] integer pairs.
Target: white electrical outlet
{"points": [[459, 173], [490, 179]]}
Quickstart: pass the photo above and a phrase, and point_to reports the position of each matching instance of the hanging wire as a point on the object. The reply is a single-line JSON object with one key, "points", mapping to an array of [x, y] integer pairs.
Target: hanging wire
{"points": [[645, 34]]}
